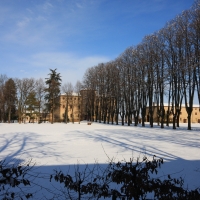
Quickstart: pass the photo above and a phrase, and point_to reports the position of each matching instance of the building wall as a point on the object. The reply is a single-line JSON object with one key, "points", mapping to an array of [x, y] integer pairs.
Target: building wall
{"points": [[33, 119], [76, 106], [195, 115], [81, 107], [70, 105], [195, 118]]}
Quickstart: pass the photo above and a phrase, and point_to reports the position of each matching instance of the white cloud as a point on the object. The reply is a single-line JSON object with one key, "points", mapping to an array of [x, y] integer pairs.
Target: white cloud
{"points": [[24, 22], [46, 7], [79, 5], [30, 10], [70, 66]]}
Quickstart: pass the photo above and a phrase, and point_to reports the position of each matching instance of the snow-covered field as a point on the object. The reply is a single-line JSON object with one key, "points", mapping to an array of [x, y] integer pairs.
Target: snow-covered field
{"points": [[59, 145]]}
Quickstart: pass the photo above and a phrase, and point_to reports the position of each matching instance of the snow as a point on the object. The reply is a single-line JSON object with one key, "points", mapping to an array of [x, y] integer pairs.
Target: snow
{"points": [[60, 146]]}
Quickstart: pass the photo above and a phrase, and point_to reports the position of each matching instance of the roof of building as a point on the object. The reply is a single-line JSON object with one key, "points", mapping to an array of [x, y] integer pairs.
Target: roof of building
{"points": [[73, 94], [183, 105]]}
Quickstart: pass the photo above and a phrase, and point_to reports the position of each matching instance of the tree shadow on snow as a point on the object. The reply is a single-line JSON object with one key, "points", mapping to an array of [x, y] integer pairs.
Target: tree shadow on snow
{"points": [[18, 144], [141, 142]]}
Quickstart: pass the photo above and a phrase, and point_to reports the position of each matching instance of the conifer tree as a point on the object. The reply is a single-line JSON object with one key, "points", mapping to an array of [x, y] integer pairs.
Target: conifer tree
{"points": [[32, 106], [10, 96], [52, 91]]}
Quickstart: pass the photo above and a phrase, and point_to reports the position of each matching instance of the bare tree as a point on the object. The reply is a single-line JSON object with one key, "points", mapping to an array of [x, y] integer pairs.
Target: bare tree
{"points": [[88, 93], [150, 64], [67, 88], [77, 89], [100, 87], [24, 87], [188, 71], [195, 41], [40, 92], [141, 64]]}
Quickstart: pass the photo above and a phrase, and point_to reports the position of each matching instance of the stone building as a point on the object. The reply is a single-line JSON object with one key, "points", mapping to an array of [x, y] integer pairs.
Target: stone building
{"points": [[69, 109], [195, 117], [75, 107], [84, 106]]}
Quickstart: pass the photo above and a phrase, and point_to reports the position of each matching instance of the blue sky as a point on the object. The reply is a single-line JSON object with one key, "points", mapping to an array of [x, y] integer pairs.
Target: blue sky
{"points": [[73, 35]]}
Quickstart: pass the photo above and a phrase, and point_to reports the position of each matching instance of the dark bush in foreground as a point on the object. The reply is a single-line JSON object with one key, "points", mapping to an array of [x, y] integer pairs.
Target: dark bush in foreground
{"points": [[13, 180], [121, 180], [125, 181]]}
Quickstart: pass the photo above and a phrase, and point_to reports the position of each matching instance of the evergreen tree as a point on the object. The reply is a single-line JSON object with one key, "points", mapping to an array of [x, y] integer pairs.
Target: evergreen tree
{"points": [[52, 91], [10, 96], [32, 106]]}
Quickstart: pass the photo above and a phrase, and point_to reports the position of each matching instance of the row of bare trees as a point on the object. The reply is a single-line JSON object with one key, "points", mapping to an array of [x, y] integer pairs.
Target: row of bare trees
{"points": [[164, 67]]}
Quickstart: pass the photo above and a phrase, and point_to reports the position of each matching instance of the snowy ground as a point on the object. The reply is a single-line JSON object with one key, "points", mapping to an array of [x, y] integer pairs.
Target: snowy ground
{"points": [[57, 146]]}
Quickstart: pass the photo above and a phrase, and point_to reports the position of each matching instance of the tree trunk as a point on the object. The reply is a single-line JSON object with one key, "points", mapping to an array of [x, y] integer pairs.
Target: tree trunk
{"points": [[52, 113], [117, 116], [174, 121], [9, 114], [189, 122], [167, 120], [122, 120], [162, 117], [143, 116], [177, 119]]}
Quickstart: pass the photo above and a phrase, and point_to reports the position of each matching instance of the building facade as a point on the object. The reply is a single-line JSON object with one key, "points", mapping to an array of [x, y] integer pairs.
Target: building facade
{"points": [[75, 107], [86, 104], [183, 118], [69, 109]]}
